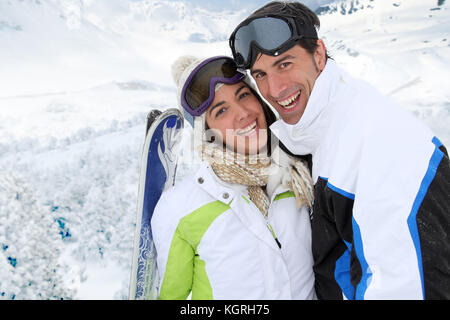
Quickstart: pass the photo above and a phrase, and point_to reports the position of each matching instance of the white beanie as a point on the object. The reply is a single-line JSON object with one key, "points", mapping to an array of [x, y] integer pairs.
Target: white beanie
{"points": [[181, 69]]}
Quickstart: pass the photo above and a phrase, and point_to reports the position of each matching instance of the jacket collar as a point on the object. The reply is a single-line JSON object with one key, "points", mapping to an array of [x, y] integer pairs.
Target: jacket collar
{"points": [[232, 195], [305, 136], [207, 180]]}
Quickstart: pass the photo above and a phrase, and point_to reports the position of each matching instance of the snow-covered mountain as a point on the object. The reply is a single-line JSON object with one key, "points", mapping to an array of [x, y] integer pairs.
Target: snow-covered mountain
{"points": [[402, 47], [98, 41], [78, 77]]}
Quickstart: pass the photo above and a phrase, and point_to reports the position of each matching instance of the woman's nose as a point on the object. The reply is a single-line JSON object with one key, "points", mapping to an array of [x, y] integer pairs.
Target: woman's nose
{"points": [[241, 112]]}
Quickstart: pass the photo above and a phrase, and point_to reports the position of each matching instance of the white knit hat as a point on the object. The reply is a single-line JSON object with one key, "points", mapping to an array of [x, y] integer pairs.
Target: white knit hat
{"points": [[181, 69]]}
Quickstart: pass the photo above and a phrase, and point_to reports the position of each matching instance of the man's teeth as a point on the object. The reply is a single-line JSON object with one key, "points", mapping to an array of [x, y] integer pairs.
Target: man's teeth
{"points": [[247, 129], [288, 103]]}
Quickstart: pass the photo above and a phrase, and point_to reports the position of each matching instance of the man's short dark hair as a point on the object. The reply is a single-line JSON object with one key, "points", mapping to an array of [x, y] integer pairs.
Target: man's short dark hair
{"points": [[298, 11]]}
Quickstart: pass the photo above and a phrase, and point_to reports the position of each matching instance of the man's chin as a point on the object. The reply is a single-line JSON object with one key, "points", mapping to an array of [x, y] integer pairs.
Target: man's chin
{"points": [[291, 116]]}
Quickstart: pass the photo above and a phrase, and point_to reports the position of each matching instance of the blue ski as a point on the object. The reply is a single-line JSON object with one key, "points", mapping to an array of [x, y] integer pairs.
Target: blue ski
{"points": [[158, 169]]}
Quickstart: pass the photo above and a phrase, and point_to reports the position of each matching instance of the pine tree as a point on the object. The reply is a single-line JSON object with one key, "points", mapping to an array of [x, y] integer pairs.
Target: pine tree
{"points": [[30, 246]]}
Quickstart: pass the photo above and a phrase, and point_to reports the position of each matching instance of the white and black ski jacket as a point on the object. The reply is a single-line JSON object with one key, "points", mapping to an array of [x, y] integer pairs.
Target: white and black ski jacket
{"points": [[382, 205]]}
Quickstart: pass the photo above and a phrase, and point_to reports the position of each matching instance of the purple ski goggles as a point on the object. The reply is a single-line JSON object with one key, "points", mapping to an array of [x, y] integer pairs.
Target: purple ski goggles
{"points": [[198, 90]]}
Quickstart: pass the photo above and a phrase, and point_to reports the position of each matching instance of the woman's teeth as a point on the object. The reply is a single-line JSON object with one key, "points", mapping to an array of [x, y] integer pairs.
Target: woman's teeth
{"points": [[290, 102], [247, 130]]}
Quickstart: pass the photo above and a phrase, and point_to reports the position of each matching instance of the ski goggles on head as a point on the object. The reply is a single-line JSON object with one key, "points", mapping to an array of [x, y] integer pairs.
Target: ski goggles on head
{"points": [[198, 90], [267, 34]]}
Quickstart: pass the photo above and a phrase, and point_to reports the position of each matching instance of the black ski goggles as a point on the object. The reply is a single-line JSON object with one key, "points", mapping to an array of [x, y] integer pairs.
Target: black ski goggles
{"points": [[267, 34]]}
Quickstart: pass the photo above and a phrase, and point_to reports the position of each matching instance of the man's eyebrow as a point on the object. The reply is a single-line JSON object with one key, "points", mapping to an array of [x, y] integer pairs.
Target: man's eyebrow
{"points": [[252, 72], [282, 59], [277, 62]]}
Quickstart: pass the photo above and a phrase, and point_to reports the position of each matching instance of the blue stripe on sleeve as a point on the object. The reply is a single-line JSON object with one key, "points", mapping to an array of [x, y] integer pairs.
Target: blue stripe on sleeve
{"points": [[366, 272], [342, 273], [341, 192], [357, 242]]}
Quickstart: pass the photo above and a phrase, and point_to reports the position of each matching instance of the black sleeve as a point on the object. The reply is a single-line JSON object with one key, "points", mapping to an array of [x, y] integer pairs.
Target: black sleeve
{"points": [[336, 267], [433, 222]]}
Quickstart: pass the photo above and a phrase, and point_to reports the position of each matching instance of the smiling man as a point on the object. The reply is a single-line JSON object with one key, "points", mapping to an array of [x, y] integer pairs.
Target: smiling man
{"points": [[381, 214], [291, 79]]}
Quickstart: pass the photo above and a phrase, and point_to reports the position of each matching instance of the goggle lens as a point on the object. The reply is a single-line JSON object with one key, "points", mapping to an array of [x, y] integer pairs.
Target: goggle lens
{"points": [[198, 92], [268, 33]]}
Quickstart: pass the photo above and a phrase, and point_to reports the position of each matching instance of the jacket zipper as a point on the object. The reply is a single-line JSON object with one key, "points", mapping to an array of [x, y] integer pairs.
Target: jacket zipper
{"points": [[268, 226], [274, 235]]}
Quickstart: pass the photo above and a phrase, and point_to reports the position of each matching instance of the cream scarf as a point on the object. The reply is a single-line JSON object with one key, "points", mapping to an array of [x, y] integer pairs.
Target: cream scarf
{"points": [[255, 171]]}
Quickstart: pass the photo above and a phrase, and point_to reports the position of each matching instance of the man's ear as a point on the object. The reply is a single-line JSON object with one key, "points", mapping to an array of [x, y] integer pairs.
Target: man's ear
{"points": [[320, 55]]}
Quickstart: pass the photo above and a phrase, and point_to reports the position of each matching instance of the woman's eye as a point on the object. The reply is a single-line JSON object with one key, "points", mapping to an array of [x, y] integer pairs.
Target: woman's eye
{"points": [[244, 94], [219, 112]]}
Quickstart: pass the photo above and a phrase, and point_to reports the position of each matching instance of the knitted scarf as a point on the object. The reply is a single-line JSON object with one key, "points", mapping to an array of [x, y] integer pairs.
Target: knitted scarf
{"points": [[254, 171]]}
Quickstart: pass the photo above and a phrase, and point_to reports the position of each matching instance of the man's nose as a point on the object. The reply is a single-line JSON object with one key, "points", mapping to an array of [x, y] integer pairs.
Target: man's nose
{"points": [[276, 85]]}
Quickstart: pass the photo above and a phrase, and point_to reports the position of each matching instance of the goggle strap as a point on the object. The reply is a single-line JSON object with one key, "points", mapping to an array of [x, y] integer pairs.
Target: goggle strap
{"points": [[307, 31], [188, 117]]}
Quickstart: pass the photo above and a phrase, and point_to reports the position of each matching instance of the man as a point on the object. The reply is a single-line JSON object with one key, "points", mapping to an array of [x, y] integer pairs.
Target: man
{"points": [[382, 179]]}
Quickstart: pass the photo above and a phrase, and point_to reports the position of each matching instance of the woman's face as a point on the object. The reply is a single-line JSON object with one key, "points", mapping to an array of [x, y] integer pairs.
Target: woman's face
{"points": [[237, 118]]}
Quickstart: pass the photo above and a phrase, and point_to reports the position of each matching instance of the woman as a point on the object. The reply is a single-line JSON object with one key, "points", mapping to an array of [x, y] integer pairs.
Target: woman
{"points": [[239, 227]]}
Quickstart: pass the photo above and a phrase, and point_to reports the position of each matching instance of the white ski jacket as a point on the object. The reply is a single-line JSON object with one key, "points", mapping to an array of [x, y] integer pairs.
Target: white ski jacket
{"points": [[381, 218], [213, 242]]}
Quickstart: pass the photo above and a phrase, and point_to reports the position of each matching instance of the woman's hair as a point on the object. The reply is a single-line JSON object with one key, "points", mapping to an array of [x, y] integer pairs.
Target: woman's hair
{"points": [[270, 118]]}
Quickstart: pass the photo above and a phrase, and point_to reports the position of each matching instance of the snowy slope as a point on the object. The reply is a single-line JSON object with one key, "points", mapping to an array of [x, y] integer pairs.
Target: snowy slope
{"points": [[402, 47], [78, 77]]}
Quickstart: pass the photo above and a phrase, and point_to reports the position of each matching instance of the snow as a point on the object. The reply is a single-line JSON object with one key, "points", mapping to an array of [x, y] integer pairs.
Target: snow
{"points": [[77, 80], [401, 47]]}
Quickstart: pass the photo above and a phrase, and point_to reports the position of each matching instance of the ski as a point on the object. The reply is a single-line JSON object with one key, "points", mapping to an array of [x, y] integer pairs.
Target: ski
{"points": [[158, 169]]}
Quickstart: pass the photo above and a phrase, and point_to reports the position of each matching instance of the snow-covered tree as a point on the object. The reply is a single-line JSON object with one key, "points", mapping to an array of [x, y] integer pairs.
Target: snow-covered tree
{"points": [[30, 246]]}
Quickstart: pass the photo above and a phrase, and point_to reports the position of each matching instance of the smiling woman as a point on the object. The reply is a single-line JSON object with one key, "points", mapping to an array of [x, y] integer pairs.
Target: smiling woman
{"points": [[237, 117], [224, 106], [238, 228]]}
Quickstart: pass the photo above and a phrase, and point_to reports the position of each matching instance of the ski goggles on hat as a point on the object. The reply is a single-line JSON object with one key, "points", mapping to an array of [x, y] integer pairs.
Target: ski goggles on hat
{"points": [[267, 34], [198, 90]]}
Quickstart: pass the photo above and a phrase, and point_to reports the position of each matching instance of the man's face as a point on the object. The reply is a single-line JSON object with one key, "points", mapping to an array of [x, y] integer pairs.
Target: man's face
{"points": [[286, 81]]}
